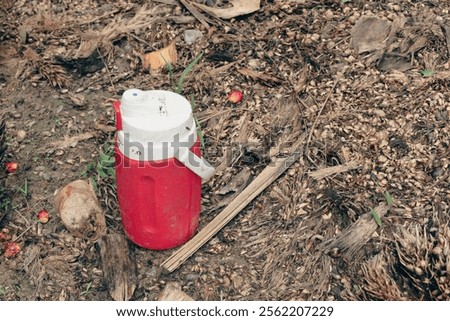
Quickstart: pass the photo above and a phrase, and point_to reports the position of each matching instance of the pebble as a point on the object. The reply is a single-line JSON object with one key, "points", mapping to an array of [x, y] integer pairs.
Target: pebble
{"points": [[21, 134], [17, 115], [328, 14], [191, 35], [45, 176]]}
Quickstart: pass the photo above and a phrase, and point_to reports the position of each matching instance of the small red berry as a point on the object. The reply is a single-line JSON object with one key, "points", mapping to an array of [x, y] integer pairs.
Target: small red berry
{"points": [[235, 96], [11, 167], [11, 249], [43, 216]]}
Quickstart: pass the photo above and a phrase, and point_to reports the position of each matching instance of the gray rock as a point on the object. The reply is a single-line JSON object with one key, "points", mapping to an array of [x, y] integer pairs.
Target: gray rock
{"points": [[191, 35]]}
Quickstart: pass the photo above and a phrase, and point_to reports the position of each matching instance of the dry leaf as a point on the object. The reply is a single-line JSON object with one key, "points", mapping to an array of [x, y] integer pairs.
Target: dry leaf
{"points": [[239, 8], [160, 58], [369, 34], [71, 141]]}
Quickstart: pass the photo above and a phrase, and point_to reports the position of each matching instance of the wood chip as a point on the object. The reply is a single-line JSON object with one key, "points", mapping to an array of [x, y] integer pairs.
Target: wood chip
{"points": [[158, 59], [172, 292]]}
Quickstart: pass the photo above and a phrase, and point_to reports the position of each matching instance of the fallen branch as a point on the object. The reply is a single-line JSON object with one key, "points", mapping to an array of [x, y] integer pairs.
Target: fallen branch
{"points": [[259, 184]]}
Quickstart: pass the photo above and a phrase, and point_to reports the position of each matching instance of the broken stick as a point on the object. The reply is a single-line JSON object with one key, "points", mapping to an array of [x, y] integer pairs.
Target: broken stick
{"points": [[259, 184]]}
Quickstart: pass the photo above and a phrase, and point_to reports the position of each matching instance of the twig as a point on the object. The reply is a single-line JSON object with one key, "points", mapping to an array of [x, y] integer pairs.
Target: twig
{"points": [[200, 17], [311, 131], [107, 70], [26, 230]]}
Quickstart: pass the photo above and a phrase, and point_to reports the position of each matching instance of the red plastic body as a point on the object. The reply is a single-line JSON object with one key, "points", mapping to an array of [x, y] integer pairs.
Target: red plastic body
{"points": [[159, 200]]}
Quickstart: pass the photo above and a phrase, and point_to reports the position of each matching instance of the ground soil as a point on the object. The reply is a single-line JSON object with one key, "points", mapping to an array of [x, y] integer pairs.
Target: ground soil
{"points": [[307, 236]]}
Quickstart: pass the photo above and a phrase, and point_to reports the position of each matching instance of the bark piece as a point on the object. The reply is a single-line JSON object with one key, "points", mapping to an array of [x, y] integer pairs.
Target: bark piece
{"points": [[119, 268]]}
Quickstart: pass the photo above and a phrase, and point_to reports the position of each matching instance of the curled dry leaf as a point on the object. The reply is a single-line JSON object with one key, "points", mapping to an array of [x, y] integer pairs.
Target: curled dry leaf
{"points": [[239, 8]]}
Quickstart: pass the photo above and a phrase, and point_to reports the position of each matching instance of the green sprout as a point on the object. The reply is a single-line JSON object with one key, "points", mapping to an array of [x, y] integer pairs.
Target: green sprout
{"points": [[427, 73], [376, 216]]}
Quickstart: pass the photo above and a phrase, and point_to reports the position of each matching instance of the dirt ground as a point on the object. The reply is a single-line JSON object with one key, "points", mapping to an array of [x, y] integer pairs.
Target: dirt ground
{"points": [[363, 86]]}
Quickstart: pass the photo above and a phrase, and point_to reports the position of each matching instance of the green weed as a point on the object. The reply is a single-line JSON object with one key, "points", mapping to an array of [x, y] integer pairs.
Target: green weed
{"points": [[87, 289], [180, 83], [388, 198], [23, 189], [103, 168], [179, 89], [197, 123], [427, 73], [3, 290], [376, 216]]}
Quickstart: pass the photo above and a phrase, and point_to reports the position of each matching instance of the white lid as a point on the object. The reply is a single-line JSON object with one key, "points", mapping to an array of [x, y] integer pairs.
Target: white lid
{"points": [[153, 123]]}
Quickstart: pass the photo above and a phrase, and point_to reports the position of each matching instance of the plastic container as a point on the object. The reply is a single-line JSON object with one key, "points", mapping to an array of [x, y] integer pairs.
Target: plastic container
{"points": [[159, 168]]}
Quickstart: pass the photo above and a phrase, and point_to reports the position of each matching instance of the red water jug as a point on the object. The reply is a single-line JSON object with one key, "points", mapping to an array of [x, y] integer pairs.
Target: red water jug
{"points": [[159, 168]]}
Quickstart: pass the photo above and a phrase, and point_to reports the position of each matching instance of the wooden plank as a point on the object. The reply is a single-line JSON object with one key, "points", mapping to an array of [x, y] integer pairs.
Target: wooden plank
{"points": [[259, 184], [119, 269]]}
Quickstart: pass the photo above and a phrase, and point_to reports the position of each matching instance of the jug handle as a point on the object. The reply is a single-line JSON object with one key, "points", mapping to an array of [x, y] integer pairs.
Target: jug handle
{"points": [[196, 164], [116, 106]]}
